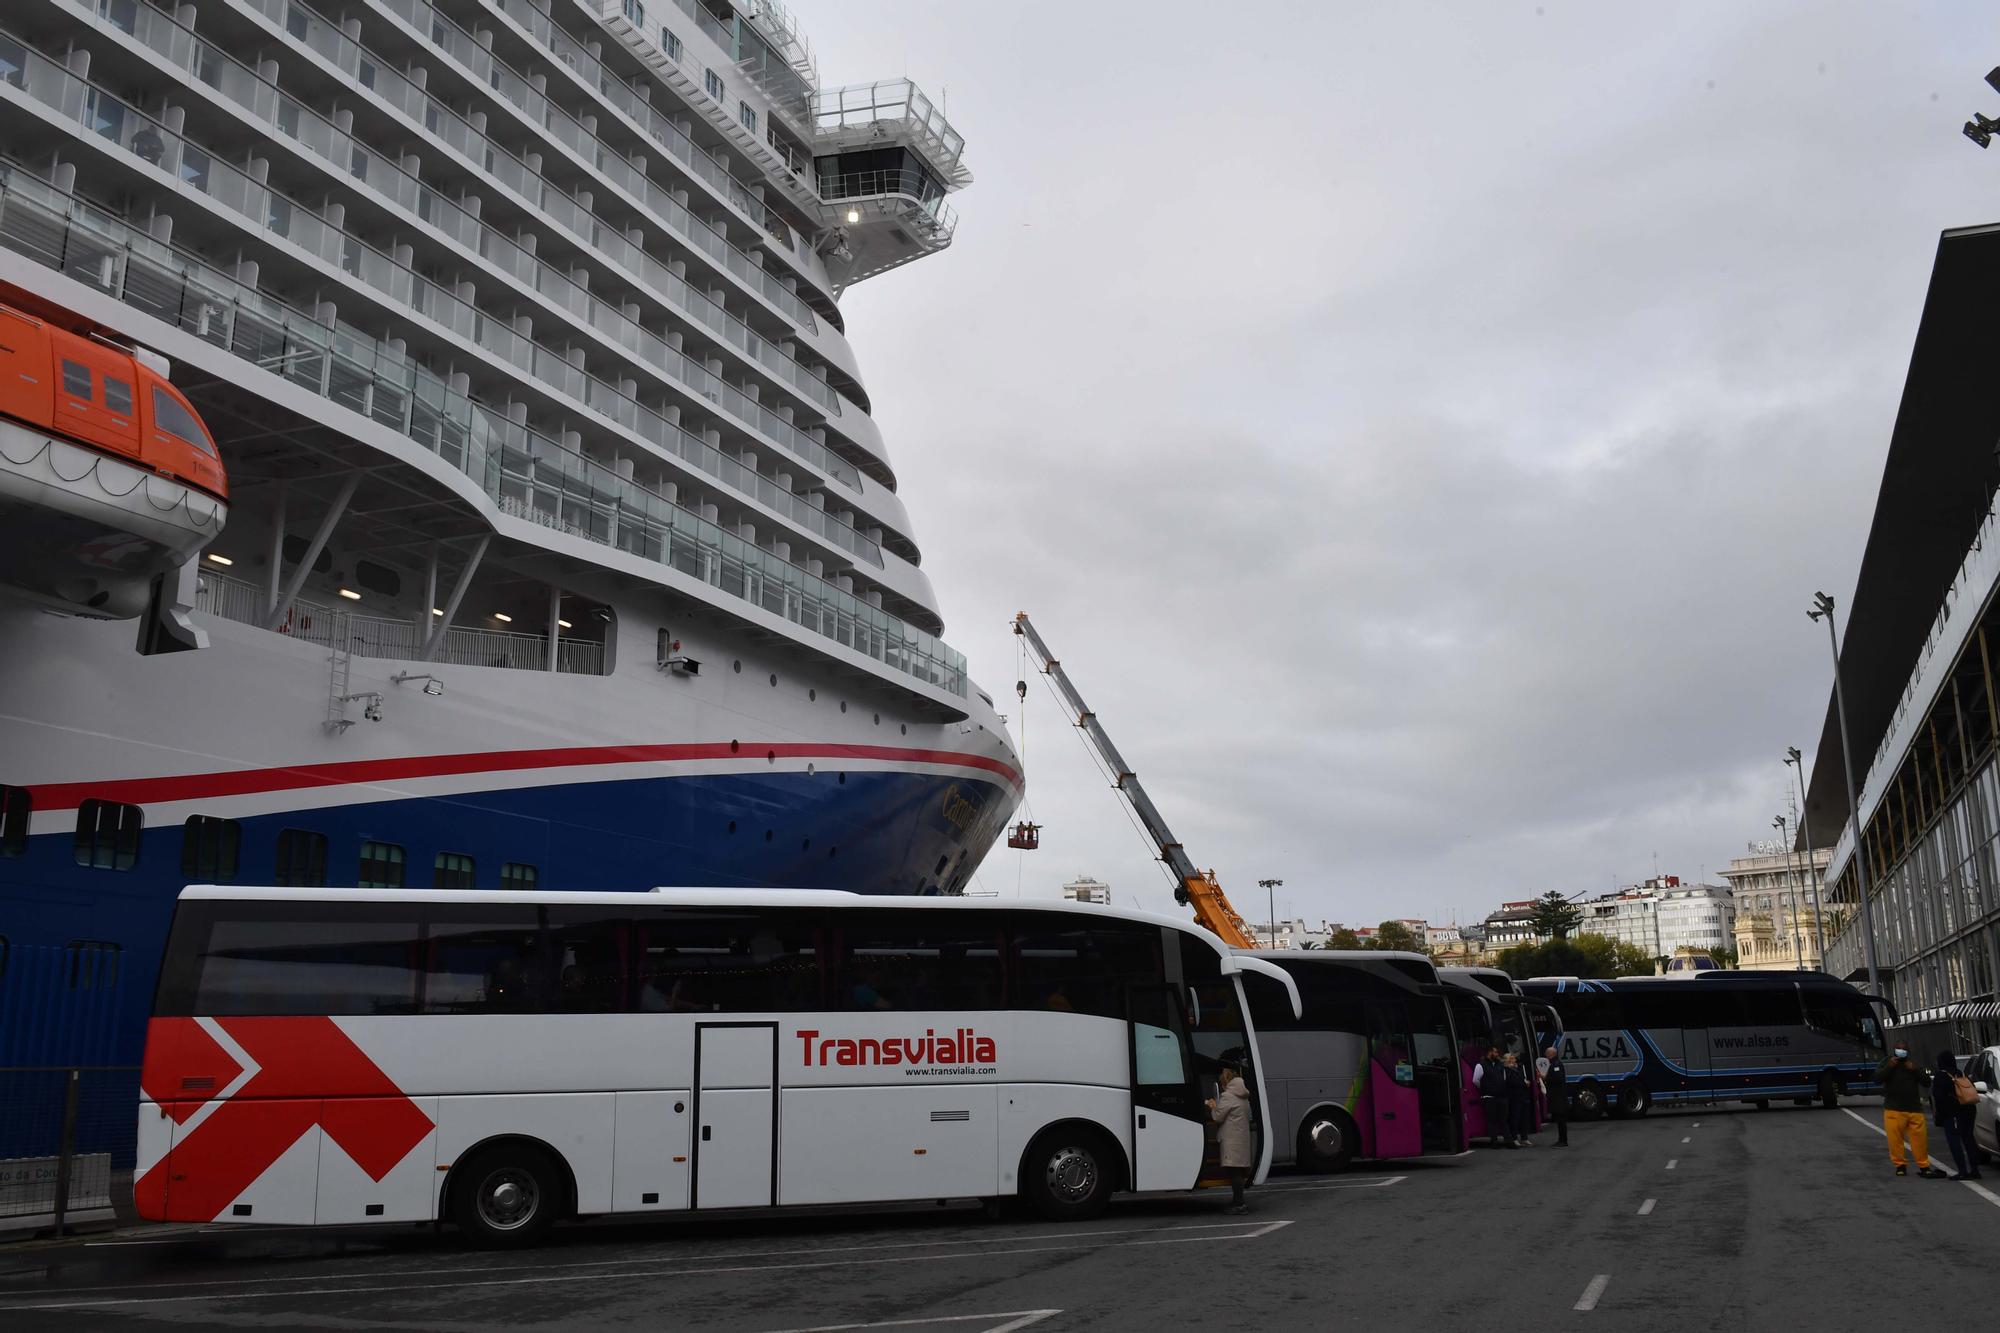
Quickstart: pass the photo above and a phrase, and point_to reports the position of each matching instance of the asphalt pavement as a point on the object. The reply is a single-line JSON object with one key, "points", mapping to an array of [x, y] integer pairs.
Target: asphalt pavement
{"points": [[1714, 1219]]}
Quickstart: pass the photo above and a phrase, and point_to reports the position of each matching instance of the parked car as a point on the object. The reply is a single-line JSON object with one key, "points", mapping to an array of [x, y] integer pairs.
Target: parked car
{"points": [[1984, 1071]]}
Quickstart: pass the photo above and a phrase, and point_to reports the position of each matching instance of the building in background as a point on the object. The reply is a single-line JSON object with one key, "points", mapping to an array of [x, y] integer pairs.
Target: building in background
{"points": [[1664, 916], [1513, 924], [1084, 889], [1775, 891], [1919, 647]]}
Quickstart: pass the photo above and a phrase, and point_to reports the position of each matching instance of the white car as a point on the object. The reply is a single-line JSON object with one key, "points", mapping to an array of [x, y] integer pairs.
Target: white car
{"points": [[1984, 1071]]}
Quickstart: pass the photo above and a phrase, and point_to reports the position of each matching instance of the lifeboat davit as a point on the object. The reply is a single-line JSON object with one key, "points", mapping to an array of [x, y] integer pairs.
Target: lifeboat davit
{"points": [[108, 478]]}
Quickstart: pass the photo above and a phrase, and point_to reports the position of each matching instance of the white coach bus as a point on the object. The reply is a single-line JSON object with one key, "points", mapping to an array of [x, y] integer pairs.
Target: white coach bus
{"points": [[505, 1060]]}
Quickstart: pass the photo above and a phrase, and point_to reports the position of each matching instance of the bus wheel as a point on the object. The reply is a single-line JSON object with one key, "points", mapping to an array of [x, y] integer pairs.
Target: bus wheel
{"points": [[1588, 1099], [1068, 1174], [1829, 1091], [1326, 1141], [505, 1196], [1633, 1099]]}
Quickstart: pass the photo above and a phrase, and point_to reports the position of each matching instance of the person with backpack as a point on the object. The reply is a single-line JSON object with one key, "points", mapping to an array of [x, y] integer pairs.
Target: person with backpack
{"points": [[1953, 1101]]}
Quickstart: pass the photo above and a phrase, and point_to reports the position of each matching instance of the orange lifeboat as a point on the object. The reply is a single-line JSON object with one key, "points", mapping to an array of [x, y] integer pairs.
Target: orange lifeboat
{"points": [[108, 478]]}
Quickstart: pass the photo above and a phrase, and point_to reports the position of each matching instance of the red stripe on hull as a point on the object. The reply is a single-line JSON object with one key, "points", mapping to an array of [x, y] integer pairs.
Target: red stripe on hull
{"points": [[244, 782]]}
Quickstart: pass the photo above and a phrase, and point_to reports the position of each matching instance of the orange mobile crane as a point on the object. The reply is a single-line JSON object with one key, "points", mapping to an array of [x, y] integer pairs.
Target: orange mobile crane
{"points": [[1198, 888]]}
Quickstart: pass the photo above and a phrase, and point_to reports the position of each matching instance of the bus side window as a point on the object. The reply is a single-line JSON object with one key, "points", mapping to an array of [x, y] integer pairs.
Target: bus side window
{"points": [[589, 947], [482, 959], [918, 960], [1067, 967], [244, 958], [728, 961]]}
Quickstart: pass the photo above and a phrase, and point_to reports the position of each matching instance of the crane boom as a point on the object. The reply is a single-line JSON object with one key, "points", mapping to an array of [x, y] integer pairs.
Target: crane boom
{"points": [[1198, 888]]}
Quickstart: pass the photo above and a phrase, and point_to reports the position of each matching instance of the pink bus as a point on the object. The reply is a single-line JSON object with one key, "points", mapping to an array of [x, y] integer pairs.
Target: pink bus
{"points": [[1367, 1069]]}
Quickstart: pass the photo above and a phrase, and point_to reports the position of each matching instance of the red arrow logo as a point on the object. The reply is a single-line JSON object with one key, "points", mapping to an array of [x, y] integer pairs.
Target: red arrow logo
{"points": [[308, 1072]]}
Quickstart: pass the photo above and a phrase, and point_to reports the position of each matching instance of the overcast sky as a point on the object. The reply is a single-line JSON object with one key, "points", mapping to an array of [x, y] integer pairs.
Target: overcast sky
{"points": [[1418, 427]]}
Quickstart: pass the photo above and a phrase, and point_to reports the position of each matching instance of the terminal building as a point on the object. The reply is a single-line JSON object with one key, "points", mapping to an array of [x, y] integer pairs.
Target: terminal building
{"points": [[1918, 651]]}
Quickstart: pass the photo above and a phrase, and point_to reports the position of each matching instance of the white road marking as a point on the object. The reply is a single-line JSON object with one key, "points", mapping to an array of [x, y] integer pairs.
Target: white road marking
{"points": [[1647, 1207], [1015, 1319], [1383, 1183], [1673, 1162], [654, 1271], [1982, 1192], [377, 1271], [1862, 1120], [1588, 1301]]}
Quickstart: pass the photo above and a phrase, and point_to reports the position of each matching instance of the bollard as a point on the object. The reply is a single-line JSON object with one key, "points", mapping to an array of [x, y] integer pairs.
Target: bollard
{"points": [[67, 1150]]}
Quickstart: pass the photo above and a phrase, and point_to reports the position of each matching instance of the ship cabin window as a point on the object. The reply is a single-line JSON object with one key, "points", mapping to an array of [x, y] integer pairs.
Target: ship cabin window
{"points": [[118, 396], [518, 875], [301, 859], [748, 115], [381, 866], [107, 834], [713, 83], [76, 379], [451, 870], [295, 551], [209, 848], [670, 44], [15, 805], [92, 964], [175, 420], [378, 578]]}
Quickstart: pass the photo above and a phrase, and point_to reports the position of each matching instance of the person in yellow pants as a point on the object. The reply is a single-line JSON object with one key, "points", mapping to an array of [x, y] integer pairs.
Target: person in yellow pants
{"points": [[1903, 1113]]}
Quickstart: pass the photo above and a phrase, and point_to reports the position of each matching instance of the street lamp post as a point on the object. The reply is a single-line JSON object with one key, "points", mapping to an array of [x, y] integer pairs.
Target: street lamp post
{"points": [[1791, 883], [1823, 607], [1797, 762], [1270, 888]]}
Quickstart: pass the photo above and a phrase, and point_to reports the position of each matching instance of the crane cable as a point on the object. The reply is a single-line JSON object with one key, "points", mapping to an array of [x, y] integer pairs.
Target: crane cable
{"points": [[1125, 800]]}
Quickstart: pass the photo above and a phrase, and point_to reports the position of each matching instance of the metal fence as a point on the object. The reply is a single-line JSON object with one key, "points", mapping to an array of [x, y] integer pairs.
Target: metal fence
{"points": [[70, 1136]]}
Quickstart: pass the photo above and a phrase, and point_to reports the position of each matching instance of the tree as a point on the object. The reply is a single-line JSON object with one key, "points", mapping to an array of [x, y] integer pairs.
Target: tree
{"points": [[1309, 944], [1396, 935], [1584, 956], [1343, 939], [1555, 917]]}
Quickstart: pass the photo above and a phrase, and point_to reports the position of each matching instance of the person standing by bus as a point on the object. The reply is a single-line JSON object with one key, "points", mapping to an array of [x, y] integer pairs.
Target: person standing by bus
{"points": [[1903, 1113], [1489, 1079], [1555, 1087], [1953, 1101], [1520, 1100], [1230, 1110]]}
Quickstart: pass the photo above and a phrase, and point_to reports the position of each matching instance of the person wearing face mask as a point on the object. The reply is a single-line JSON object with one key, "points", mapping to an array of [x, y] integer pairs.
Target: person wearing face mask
{"points": [[1903, 1086]]}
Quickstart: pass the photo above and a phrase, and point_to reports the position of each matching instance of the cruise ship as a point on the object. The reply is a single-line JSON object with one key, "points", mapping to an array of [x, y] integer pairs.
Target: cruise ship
{"points": [[558, 546]]}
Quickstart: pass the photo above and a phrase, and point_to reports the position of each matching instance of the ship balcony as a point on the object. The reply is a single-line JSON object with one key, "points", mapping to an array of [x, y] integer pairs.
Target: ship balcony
{"points": [[865, 116], [523, 474], [883, 219]]}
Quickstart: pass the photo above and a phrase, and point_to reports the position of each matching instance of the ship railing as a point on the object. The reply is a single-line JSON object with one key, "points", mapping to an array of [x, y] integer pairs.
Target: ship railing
{"points": [[297, 222], [546, 483], [929, 211], [392, 637], [892, 104]]}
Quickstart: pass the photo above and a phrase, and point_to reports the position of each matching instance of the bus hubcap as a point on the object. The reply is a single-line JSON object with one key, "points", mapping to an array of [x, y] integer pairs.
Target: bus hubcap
{"points": [[507, 1199], [1325, 1138], [1072, 1174]]}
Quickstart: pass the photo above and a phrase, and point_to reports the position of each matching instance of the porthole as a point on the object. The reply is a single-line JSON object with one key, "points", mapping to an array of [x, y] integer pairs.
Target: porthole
{"points": [[806, 845], [812, 696], [770, 756], [810, 769], [732, 826], [843, 705], [774, 680], [878, 719], [906, 728], [843, 779], [738, 666], [770, 834], [734, 746], [832, 852]]}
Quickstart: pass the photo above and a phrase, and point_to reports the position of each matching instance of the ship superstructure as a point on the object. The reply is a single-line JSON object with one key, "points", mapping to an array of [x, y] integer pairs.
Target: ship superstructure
{"points": [[562, 548]]}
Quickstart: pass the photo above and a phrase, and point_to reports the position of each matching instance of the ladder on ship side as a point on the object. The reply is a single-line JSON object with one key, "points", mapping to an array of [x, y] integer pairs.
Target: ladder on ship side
{"points": [[340, 668]]}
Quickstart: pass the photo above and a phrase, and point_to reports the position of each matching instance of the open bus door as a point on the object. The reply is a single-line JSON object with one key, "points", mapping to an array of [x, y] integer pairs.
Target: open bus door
{"points": [[1475, 1029], [1547, 1026], [1440, 1076]]}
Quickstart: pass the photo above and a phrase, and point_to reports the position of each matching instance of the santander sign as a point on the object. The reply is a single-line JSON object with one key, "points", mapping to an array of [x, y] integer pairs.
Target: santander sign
{"points": [[961, 1046]]}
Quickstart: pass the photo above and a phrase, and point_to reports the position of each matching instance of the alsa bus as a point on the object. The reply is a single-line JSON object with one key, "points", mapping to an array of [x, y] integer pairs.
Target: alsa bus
{"points": [[504, 1060], [1368, 1067], [1714, 1036], [1519, 1024]]}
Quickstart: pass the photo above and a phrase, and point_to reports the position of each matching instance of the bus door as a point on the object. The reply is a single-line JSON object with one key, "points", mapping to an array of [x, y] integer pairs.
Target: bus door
{"points": [[1169, 1099], [735, 1100], [1390, 1090], [1473, 1022], [1435, 1046]]}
